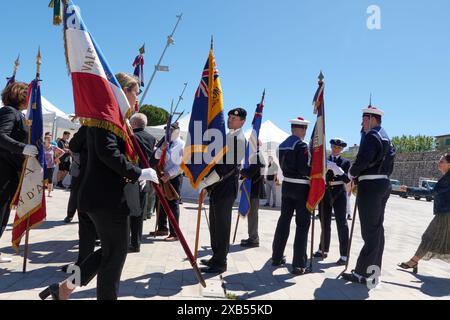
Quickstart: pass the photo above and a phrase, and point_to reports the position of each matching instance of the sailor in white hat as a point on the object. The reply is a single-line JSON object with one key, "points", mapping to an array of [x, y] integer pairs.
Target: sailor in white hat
{"points": [[294, 161], [335, 198], [372, 168]]}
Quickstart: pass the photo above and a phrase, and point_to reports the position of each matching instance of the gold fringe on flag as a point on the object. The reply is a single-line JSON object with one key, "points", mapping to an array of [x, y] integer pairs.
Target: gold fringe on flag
{"points": [[102, 124]]}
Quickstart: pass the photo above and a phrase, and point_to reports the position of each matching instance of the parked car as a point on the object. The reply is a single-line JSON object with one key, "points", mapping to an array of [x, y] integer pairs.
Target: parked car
{"points": [[423, 191], [396, 188]]}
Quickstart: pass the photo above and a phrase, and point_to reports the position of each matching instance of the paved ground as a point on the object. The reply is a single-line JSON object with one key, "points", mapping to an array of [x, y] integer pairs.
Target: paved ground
{"points": [[160, 271]]}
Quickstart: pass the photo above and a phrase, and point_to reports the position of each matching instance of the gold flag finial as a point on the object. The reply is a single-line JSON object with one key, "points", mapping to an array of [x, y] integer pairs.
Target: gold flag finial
{"points": [[38, 62]]}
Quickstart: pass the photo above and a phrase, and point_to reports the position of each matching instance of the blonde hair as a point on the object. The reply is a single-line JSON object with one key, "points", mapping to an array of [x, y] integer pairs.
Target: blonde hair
{"points": [[127, 81], [15, 94]]}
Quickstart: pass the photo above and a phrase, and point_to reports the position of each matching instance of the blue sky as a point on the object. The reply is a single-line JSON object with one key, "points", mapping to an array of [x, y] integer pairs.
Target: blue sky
{"points": [[278, 45]]}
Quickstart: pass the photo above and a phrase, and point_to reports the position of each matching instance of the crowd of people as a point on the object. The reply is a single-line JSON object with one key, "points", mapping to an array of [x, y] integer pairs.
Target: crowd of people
{"points": [[114, 195]]}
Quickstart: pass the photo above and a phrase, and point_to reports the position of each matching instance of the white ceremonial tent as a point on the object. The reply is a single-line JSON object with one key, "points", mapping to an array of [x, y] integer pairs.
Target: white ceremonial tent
{"points": [[158, 132], [55, 120]]}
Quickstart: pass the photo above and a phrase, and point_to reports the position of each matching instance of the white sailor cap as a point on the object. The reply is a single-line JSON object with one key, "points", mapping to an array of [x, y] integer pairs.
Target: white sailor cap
{"points": [[338, 142], [373, 111], [299, 122]]}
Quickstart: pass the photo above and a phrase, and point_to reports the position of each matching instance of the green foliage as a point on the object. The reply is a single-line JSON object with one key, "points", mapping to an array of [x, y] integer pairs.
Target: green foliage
{"points": [[419, 143], [156, 116]]}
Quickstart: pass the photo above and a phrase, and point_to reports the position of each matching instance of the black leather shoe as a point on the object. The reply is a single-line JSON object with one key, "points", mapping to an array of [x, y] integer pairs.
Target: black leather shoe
{"points": [[319, 254], [299, 271], [206, 262], [53, 291], [278, 263], [341, 262], [214, 269], [68, 220], [133, 249], [352, 277], [250, 244]]}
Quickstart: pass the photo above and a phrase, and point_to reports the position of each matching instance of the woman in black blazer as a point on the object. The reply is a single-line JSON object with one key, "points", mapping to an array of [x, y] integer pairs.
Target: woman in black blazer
{"points": [[109, 176], [13, 147]]}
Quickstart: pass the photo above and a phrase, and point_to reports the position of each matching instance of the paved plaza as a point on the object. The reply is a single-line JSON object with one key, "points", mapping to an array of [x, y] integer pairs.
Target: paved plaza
{"points": [[161, 271]]}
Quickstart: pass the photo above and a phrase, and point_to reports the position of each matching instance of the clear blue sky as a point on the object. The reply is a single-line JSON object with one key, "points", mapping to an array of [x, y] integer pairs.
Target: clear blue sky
{"points": [[278, 45]]}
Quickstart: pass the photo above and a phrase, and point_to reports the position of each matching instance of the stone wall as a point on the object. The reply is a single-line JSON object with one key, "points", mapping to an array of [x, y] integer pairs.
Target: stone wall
{"points": [[409, 167]]}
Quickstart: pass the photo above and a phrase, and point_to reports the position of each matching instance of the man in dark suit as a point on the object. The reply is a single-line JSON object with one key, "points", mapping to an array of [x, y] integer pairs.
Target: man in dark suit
{"points": [[222, 184], [13, 147], [147, 143], [335, 198]]}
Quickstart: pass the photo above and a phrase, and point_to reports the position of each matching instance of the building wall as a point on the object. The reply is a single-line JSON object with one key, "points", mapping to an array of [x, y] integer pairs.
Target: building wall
{"points": [[409, 167], [443, 143]]}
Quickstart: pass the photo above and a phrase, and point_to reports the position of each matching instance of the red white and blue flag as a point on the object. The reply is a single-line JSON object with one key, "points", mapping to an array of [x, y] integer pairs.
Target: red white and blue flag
{"points": [[98, 96], [318, 152], [138, 66], [30, 196], [250, 155]]}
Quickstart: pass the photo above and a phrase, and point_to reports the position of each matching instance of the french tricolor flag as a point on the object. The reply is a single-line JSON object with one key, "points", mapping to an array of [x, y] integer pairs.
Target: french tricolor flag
{"points": [[98, 97]]}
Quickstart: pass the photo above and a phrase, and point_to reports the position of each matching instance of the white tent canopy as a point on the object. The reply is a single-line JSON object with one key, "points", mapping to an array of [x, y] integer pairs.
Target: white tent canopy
{"points": [[158, 132], [55, 120]]}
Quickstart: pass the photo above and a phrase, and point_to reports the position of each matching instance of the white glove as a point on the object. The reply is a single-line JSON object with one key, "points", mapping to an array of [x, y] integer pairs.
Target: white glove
{"points": [[142, 184], [30, 150], [149, 175], [209, 180], [335, 168], [338, 171]]}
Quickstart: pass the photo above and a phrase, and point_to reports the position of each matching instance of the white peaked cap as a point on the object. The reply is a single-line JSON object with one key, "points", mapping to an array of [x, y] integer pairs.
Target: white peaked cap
{"points": [[299, 122]]}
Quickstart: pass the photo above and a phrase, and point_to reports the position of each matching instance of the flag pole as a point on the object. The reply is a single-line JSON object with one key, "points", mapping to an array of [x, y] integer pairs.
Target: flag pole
{"points": [[250, 203], [313, 217], [27, 234], [201, 197], [170, 41]]}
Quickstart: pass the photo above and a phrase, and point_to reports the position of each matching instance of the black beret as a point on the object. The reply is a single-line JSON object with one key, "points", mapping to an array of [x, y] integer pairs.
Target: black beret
{"points": [[238, 112]]}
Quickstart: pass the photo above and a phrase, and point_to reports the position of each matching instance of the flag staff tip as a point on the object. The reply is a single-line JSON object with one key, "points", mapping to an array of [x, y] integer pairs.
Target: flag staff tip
{"points": [[38, 61], [321, 76], [212, 42], [370, 101]]}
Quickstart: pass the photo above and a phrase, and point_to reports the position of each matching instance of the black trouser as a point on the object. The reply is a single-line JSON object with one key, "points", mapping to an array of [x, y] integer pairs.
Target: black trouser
{"points": [[335, 197], [220, 212], [9, 181], [107, 263], [294, 197], [174, 206], [372, 198], [73, 199], [136, 223], [87, 235]]}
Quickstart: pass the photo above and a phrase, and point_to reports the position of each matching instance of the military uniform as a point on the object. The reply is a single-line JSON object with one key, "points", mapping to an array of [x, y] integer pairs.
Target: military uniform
{"points": [[372, 168], [294, 159], [223, 192], [335, 198]]}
